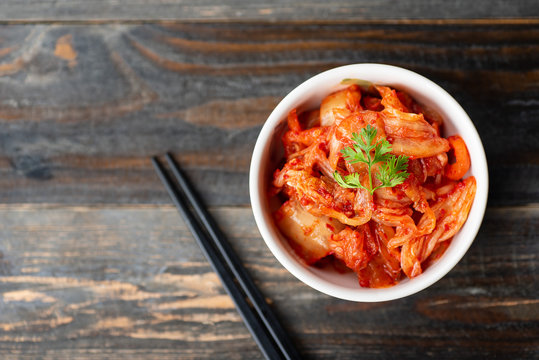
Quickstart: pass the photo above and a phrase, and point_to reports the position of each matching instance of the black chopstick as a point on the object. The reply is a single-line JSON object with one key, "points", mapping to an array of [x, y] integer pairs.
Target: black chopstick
{"points": [[261, 322]]}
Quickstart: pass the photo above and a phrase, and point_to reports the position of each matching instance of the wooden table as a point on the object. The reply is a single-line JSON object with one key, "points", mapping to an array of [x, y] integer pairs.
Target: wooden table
{"points": [[96, 263]]}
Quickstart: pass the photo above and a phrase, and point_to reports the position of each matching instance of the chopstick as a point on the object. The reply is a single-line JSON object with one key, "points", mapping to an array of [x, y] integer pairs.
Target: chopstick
{"points": [[264, 326]]}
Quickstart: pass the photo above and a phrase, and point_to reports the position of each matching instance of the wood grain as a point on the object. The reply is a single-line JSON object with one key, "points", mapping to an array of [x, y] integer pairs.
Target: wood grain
{"points": [[85, 282], [82, 107], [89, 90], [261, 10]]}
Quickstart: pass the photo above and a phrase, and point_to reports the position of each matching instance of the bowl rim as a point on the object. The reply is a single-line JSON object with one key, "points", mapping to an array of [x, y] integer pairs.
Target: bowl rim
{"points": [[400, 78]]}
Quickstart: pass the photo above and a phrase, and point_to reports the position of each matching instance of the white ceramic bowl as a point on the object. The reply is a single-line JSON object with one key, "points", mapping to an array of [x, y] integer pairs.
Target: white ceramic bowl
{"points": [[268, 152]]}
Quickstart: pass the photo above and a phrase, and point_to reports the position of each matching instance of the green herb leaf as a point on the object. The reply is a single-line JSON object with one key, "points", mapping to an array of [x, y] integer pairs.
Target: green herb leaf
{"points": [[382, 151], [392, 170], [350, 181], [354, 156]]}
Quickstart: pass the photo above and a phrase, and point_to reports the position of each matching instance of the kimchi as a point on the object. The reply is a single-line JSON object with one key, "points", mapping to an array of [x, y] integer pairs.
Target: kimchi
{"points": [[386, 234]]}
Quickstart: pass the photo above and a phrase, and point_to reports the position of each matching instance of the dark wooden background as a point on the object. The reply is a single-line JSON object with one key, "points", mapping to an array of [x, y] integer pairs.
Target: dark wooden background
{"points": [[94, 261]]}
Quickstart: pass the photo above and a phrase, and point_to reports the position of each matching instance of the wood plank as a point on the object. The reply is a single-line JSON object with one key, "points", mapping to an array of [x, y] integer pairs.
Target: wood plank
{"points": [[128, 281], [83, 107], [261, 10]]}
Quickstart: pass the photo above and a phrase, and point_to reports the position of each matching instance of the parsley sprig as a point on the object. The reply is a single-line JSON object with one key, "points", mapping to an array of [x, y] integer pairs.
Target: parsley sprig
{"points": [[391, 172]]}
